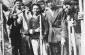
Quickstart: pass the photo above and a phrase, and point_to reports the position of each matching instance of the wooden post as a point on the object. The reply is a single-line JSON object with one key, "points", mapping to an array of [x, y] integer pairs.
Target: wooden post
{"points": [[41, 38], [83, 30], [62, 46], [2, 29], [82, 12], [73, 38], [69, 36], [81, 6]]}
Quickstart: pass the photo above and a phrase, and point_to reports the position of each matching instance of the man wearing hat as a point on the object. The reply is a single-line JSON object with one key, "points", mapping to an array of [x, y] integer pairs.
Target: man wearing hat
{"points": [[14, 22]]}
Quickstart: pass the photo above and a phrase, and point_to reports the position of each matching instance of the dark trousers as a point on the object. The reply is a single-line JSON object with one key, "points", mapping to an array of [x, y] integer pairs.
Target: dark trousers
{"points": [[26, 45], [16, 44], [55, 48], [16, 50]]}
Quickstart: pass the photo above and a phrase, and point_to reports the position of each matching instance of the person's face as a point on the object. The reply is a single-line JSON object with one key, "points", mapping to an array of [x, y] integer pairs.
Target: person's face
{"points": [[75, 7], [22, 7], [18, 4], [66, 7], [35, 10], [27, 8], [49, 4], [42, 6]]}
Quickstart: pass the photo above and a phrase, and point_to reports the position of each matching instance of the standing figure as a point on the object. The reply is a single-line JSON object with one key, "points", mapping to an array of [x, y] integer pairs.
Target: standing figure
{"points": [[47, 50], [26, 41], [34, 28], [54, 38], [42, 4], [14, 21]]}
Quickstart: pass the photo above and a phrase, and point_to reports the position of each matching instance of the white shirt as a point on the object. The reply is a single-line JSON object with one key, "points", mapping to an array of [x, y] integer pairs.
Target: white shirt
{"points": [[26, 20]]}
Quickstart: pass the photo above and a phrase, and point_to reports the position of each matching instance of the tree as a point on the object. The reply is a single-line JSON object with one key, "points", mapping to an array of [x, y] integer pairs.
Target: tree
{"points": [[8, 3]]}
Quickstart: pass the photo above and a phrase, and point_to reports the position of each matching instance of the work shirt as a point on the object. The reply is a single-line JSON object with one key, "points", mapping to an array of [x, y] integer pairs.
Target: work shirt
{"points": [[35, 23]]}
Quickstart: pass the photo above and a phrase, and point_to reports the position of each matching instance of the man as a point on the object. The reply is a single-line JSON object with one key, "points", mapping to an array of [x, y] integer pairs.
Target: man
{"points": [[14, 22], [42, 4], [67, 14], [73, 14], [45, 43], [26, 44], [54, 37], [34, 29]]}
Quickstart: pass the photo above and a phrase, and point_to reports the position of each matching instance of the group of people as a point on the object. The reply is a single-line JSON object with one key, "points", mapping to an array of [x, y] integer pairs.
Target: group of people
{"points": [[31, 23]]}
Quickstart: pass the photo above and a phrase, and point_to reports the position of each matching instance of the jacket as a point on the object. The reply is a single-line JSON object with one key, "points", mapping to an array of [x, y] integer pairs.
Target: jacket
{"points": [[55, 25]]}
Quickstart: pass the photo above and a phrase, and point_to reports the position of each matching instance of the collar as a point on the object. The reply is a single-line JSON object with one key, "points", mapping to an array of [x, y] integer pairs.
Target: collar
{"points": [[18, 10], [35, 17]]}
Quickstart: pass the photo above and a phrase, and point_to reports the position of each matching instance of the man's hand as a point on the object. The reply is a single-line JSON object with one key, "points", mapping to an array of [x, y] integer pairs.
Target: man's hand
{"points": [[31, 31], [37, 30], [62, 41], [15, 16], [41, 37], [80, 15]]}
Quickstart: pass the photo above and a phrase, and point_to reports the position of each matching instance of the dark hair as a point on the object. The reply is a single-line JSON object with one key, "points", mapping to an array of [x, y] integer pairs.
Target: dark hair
{"points": [[4, 7], [48, 1], [28, 4], [67, 3], [36, 5], [39, 2], [17, 1]]}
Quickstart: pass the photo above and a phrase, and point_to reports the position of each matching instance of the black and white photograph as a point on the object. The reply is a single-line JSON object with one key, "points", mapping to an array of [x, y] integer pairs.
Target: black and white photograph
{"points": [[42, 27]]}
